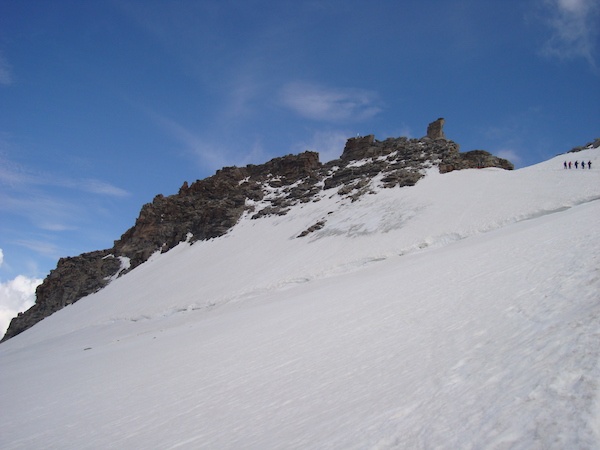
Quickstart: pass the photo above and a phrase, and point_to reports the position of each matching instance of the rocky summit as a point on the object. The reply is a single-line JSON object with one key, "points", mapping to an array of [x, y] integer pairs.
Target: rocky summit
{"points": [[210, 207]]}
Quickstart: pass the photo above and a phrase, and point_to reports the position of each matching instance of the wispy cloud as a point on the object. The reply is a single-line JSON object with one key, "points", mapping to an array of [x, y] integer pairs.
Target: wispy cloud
{"points": [[18, 176], [50, 201], [510, 137], [41, 247], [102, 188], [46, 212], [210, 154], [574, 29], [330, 144], [510, 154], [328, 104], [6, 78], [242, 90]]}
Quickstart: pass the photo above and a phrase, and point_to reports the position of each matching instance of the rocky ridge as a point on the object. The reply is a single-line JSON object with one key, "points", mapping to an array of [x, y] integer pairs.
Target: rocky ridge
{"points": [[210, 207], [593, 144]]}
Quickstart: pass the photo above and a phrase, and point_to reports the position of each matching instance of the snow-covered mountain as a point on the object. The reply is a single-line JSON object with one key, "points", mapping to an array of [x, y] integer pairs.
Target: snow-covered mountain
{"points": [[209, 208], [461, 312]]}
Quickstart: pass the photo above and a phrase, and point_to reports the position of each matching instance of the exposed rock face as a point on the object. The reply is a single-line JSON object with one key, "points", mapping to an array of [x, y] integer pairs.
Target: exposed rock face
{"points": [[475, 159], [73, 278], [594, 144], [435, 130], [203, 210], [358, 148], [210, 207]]}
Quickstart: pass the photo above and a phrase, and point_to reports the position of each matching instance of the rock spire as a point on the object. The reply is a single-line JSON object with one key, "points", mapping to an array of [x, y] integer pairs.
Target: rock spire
{"points": [[435, 130]]}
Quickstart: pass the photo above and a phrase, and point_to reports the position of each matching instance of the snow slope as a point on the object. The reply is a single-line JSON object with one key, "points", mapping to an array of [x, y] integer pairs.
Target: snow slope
{"points": [[463, 312]]}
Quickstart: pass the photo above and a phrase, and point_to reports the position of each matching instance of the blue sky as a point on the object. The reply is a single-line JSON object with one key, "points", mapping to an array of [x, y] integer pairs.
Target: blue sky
{"points": [[104, 104]]}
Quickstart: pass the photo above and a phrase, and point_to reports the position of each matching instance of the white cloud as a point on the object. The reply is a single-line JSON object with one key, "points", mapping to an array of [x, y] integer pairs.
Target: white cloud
{"points": [[16, 296], [330, 104], [1, 257], [574, 27]]}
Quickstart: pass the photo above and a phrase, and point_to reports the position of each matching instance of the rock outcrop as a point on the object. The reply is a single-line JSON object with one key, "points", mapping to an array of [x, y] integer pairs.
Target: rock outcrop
{"points": [[74, 278], [475, 159], [435, 130], [210, 207], [594, 144]]}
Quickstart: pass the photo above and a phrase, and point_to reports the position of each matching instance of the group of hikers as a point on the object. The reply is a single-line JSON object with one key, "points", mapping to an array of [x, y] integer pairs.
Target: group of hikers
{"points": [[568, 165]]}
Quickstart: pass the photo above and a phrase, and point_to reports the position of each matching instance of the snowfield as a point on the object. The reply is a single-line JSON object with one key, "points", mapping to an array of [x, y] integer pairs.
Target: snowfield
{"points": [[461, 313]]}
